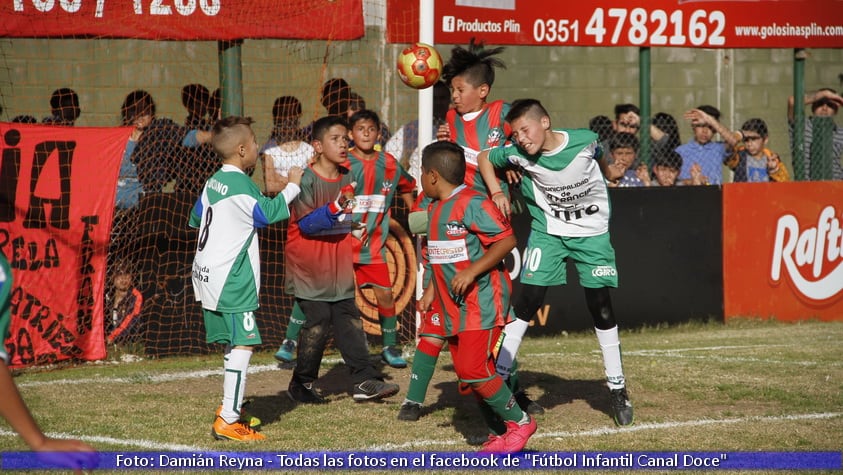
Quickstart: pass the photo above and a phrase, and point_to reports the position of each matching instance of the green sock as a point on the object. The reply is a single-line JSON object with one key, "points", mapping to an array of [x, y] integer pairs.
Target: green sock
{"points": [[297, 319], [503, 403], [389, 327], [422, 372], [512, 380], [493, 420]]}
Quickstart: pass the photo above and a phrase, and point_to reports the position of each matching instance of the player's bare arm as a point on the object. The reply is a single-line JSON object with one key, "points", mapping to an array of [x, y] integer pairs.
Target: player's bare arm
{"points": [[494, 255], [487, 171]]}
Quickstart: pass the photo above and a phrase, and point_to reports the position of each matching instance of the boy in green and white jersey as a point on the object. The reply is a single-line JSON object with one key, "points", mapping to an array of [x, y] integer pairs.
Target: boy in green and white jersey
{"points": [[226, 268]]}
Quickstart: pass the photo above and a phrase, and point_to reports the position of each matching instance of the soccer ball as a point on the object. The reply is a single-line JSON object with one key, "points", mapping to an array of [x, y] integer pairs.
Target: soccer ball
{"points": [[419, 65]]}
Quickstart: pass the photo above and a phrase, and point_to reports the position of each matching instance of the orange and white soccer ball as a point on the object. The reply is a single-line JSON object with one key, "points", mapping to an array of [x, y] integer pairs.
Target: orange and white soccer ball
{"points": [[419, 65]]}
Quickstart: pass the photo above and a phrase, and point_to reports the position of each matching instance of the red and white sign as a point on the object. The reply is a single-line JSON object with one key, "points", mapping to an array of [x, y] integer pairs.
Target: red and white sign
{"points": [[689, 23], [783, 250], [57, 188], [183, 19]]}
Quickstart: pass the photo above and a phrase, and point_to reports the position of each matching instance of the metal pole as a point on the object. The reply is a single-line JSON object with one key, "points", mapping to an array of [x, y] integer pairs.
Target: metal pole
{"points": [[231, 77], [798, 151], [644, 101]]}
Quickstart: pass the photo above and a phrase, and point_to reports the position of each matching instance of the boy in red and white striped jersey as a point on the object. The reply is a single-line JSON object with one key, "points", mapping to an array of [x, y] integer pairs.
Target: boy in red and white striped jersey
{"points": [[467, 239]]}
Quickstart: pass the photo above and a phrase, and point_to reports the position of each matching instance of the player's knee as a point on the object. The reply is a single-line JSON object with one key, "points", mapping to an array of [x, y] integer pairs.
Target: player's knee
{"points": [[430, 346], [599, 304], [529, 301]]}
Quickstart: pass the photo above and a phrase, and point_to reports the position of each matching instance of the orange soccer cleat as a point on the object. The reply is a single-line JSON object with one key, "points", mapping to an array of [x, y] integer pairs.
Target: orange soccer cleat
{"points": [[238, 431]]}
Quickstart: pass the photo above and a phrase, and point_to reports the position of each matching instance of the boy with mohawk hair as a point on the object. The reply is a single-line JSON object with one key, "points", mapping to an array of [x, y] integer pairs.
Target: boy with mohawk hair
{"points": [[475, 125]]}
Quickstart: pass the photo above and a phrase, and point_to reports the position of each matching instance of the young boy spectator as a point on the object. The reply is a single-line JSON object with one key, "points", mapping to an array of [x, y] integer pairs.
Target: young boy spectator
{"points": [[627, 118], [702, 159], [568, 201], [125, 302], [818, 146], [752, 161], [226, 268], [666, 168], [623, 150], [72, 453], [379, 178], [467, 239], [64, 107], [320, 273]]}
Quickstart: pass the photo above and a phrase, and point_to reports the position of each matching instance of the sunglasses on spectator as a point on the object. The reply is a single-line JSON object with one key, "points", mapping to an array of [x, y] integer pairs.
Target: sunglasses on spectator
{"points": [[629, 125]]}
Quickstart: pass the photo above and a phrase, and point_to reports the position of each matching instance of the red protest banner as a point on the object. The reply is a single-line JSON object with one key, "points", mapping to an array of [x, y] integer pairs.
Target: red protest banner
{"points": [[783, 250], [57, 189], [183, 20], [667, 23]]}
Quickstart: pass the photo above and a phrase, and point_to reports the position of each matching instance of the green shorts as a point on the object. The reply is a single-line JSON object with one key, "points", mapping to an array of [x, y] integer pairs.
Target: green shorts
{"points": [[593, 256], [236, 329]]}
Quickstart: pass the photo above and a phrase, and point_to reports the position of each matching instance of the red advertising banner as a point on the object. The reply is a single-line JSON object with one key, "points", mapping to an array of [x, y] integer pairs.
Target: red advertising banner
{"points": [[183, 19], [668, 23], [57, 189], [783, 250]]}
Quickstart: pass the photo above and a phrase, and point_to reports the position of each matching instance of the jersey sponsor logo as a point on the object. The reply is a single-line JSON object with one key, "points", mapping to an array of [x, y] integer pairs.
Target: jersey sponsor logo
{"points": [[807, 254], [470, 155], [455, 228], [200, 273], [217, 186], [604, 271], [573, 212], [369, 204], [447, 252]]}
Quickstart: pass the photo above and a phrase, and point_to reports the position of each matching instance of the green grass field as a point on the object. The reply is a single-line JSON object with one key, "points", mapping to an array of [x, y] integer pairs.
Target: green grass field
{"points": [[744, 386]]}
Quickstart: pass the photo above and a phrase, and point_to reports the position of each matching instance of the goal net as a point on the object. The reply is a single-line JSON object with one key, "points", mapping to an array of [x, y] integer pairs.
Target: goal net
{"points": [[100, 63]]}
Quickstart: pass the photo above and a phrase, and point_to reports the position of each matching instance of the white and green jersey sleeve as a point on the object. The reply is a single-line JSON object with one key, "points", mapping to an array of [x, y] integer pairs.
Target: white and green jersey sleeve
{"points": [[226, 268], [564, 188], [5, 305]]}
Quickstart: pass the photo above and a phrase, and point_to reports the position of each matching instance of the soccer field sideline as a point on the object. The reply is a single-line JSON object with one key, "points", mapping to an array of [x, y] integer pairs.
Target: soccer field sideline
{"points": [[690, 353]]}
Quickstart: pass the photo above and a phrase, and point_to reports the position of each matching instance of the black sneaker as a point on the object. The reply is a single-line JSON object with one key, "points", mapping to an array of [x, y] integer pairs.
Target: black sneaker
{"points": [[374, 389], [410, 411], [528, 405], [621, 407], [304, 393]]}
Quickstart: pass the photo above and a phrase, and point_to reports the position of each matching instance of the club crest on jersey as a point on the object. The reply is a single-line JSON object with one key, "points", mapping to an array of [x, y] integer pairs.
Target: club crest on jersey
{"points": [[455, 228], [386, 187], [494, 137]]}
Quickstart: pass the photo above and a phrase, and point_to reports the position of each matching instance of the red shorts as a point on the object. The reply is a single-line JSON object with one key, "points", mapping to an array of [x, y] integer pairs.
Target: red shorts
{"points": [[474, 353], [372, 274], [431, 323]]}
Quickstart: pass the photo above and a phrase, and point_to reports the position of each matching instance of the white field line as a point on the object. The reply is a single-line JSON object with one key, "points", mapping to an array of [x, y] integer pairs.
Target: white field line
{"points": [[684, 354], [254, 369], [161, 377], [150, 445], [420, 444]]}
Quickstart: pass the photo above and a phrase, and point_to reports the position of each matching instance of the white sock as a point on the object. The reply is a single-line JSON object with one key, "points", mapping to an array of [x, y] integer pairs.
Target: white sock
{"points": [[234, 382], [515, 331], [610, 345]]}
